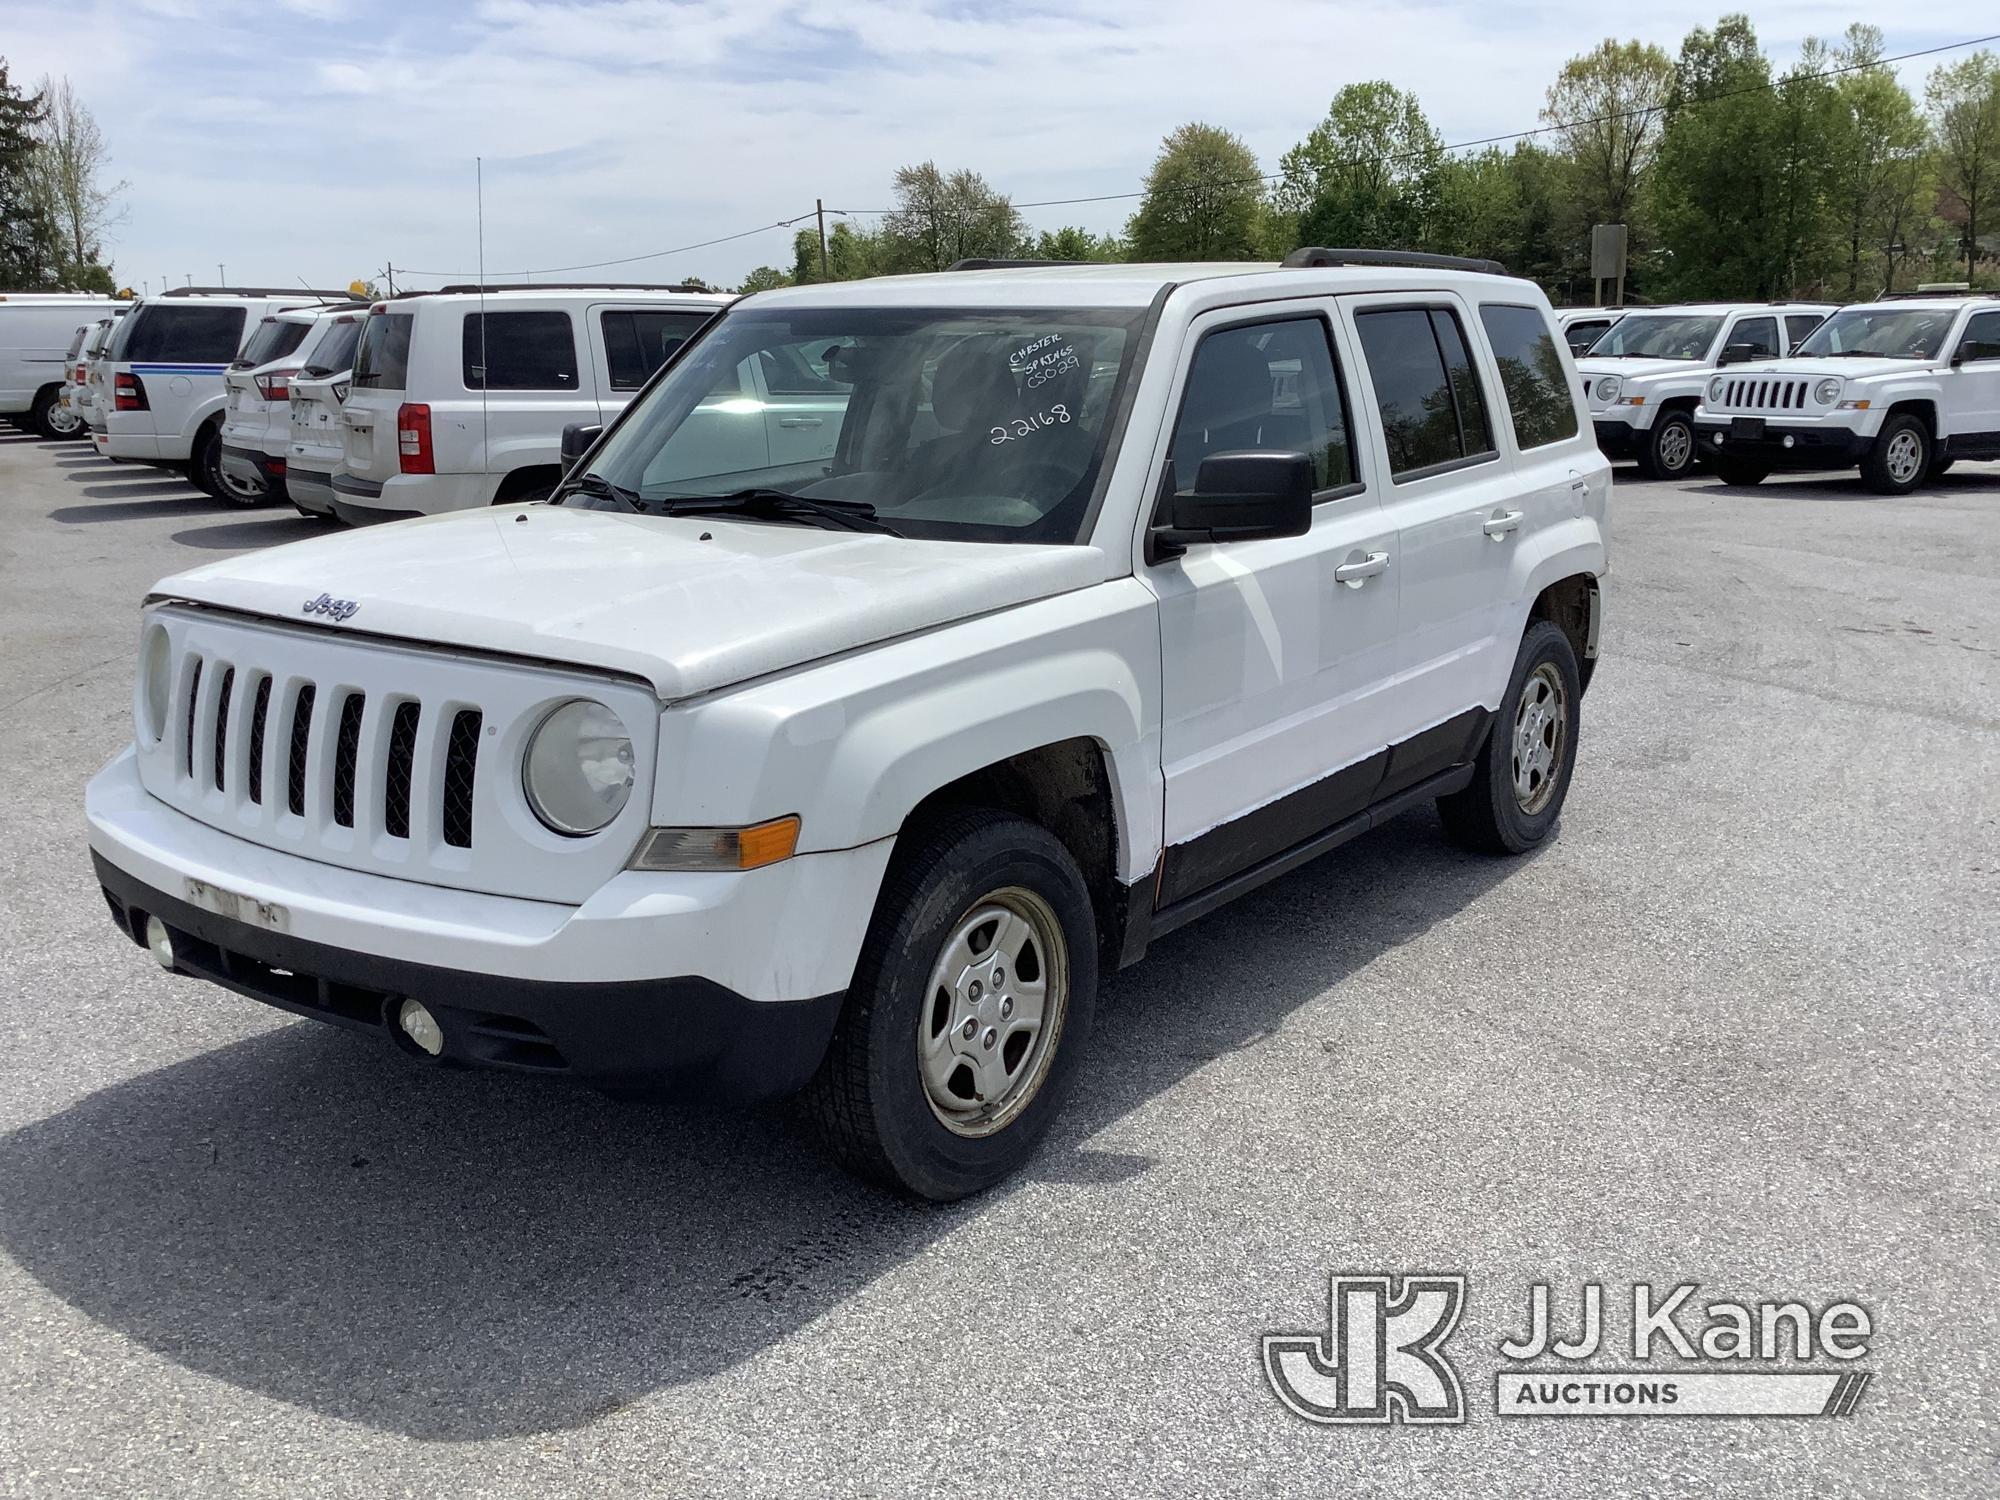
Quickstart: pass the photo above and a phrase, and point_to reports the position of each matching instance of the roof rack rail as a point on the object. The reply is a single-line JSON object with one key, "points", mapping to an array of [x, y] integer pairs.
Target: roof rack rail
{"points": [[1314, 257], [343, 295], [1937, 291], [555, 286], [991, 263]]}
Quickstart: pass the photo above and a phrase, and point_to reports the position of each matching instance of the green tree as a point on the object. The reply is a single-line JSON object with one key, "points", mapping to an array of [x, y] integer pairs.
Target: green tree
{"points": [[1875, 164], [1502, 205], [70, 161], [1202, 199], [1072, 243], [1607, 108], [941, 218], [765, 278], [30, 243], [1370, 173], [1964, 100], [851, 253]]}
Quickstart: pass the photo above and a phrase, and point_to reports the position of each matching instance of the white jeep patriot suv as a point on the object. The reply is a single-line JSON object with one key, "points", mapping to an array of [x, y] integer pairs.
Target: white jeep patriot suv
{"points": [[1901, 389], [1643, 379], [1118, 591]]}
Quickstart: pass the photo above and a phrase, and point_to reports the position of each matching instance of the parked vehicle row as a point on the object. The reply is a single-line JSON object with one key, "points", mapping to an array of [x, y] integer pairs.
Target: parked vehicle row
{"points": [[38, 351]]}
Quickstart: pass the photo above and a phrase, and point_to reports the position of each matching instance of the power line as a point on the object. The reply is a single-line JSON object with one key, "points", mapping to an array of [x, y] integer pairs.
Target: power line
{"points": [[626, 260]]}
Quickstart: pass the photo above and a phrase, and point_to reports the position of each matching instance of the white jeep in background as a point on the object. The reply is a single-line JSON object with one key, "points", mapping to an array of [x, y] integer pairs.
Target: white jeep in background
{"points": [[1108, 593], [257, 421], [1900, 389], [460, 396], [1644, 377]]}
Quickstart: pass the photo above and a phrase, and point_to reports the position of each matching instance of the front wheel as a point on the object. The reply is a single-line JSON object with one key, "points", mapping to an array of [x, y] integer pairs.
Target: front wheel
{"points": [[1900, 457], [1669, 450], [969, 1011], [1522, 775]]}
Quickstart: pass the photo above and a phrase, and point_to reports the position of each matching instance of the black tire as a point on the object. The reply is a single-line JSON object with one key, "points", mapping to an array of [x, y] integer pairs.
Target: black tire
{"points": [[1941, 466], [205, 463], [1488, 816], [1670, 447], [1739, 471], [869, 1100], [45, 417], [1900, 458]]}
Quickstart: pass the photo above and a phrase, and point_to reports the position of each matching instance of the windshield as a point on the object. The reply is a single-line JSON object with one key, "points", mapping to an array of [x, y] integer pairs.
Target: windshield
{"points": [[974, 425], [1638, 336], [335, 350], [1888, 332]]}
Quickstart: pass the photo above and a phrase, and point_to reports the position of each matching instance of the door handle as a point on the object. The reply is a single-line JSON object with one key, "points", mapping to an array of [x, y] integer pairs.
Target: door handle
{"points": [[1355, 574], [1501, 522], [802, 421]]}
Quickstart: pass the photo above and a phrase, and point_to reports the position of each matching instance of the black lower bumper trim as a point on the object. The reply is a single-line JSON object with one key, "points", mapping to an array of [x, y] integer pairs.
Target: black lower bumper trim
{"points": [[368, 515], [1616, 440], [1811, 447], [683, 1036]]}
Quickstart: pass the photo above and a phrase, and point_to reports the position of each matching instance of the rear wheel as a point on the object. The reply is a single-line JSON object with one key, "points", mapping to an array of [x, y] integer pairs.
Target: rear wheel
{"points": [[205, 463], [969, 1010], [51, 418], [1522, 775], [1900, 457], [1669, 450]]}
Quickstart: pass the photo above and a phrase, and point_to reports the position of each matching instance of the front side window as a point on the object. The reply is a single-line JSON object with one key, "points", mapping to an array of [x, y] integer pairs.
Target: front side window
{"points": [[1532, 375], [1981, 339], [1659, 336], [961, 424], [274, 339], [1761, 334], [1883, 332], [382, 359], [183, 333], [638, 341], [520, 351], [1432, 409], [1268, 386]]}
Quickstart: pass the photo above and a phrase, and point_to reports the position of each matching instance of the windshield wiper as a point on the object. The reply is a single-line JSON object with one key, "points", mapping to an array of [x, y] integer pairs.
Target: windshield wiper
{"points": [[782, 505], [599, 488]]}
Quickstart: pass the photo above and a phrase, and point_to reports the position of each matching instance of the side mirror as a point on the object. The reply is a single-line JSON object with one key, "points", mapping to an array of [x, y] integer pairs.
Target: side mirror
{"points": [[1741, 354], [1239, 497], [577, 439], [1975, 350]]}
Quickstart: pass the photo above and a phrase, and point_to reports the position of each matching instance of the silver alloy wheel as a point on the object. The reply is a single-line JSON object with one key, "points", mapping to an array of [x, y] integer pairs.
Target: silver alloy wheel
{"points": [[993, 1013], [243, 491], [1541, 728], [1676, 446], [64, 421], [1905, 456]]}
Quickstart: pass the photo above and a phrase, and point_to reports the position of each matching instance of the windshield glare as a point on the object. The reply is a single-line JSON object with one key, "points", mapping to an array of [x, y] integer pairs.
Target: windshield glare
{"points": [[1887, 332], [973, 425], [1637, 336]]}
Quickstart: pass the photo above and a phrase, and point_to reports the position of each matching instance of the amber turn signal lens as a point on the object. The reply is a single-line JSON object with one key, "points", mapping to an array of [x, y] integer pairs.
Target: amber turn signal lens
{"points": [[718, 848]]}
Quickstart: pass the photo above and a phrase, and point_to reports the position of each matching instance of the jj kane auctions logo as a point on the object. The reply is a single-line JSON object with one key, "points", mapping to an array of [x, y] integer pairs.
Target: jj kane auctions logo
{"points": [[1382, 1359]]}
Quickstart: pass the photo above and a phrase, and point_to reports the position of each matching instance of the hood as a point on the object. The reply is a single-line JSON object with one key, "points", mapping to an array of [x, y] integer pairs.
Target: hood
{"points": [[640, 595], [1846, 366], [1634, 369]]}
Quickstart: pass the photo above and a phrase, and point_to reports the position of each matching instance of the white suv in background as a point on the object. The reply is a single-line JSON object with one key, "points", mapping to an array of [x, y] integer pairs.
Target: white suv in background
{"points": [[1121, 590], [1644, 377], [316, 443], [1900, 389], [257, 422], [460, 396], [164, 372], [90, 399]]}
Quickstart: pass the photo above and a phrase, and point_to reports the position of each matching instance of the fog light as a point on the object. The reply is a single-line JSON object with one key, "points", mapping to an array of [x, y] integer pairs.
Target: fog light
{"points": [[1788, 442], [421, 1027], [1718, 440], [160, 942]]}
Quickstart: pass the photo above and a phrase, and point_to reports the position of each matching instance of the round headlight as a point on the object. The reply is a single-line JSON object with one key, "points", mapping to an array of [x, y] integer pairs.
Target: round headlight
{"points": [[578, 769], [156, 675], [1608, 388], [1715, 388], [1827, 391]]}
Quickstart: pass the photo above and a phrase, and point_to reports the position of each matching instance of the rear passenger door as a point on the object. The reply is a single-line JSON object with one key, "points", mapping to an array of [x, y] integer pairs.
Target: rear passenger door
{"points": [[1277, 655], [1452, 495], [527, 363]]}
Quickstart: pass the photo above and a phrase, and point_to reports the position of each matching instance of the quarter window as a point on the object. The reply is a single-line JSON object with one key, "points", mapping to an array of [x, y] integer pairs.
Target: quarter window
{"points": [[1432, 409], [1269, 386], [638, 342], [522, 351], [1532, 377]]}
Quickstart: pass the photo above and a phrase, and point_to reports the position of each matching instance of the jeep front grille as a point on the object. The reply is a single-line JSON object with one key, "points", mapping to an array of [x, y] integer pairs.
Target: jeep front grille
{"points": [[1764, 393]]}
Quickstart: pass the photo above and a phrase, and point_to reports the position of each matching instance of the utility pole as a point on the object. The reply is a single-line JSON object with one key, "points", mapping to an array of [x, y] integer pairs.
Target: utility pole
{"points": [[221, 274], [819, 207], [389, 271]]}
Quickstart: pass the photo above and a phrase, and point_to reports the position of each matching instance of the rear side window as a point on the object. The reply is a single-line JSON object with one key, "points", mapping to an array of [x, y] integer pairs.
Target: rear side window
{"points": [[520, 351], [1798, 325], [183, 333], [1264, 386], [382, 359], [1532, 377], [274, 339], [335, 350], [636, 343], [1433, 412]]}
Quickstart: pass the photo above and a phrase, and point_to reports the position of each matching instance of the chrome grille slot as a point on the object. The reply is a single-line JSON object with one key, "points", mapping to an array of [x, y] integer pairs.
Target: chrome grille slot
{"points": [[222, 724], [302, 712], [461, 763], [346, 754], [194, 701], [396, 782], [260, 710]]}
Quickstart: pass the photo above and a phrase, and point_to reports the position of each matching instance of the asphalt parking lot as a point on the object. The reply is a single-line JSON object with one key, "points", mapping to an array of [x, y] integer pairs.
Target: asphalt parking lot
{"points": [[1736, 1026]]}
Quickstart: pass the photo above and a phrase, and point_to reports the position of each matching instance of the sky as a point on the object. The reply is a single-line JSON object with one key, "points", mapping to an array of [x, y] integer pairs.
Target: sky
{"points": [[276, 141]]}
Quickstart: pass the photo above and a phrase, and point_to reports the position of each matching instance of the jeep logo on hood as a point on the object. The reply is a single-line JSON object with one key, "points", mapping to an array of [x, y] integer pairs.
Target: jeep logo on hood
{"points": [[332, 608]]}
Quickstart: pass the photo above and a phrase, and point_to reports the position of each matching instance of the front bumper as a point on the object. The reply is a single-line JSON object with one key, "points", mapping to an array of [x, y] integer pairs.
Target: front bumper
{"points": [[1617, 438], [1781, 445], [720, 986], [252, 467]]}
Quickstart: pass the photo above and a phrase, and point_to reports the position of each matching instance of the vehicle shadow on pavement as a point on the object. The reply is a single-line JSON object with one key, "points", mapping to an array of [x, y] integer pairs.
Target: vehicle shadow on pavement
{"points": [[239, 536], [309, 1215], [148, 502]]}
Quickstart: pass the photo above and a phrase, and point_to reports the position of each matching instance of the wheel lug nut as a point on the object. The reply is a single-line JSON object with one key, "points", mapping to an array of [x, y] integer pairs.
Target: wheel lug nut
{"points": [[971, 1028], [976, 990], [989, 1039], [1006, 1006], [999, 978]]}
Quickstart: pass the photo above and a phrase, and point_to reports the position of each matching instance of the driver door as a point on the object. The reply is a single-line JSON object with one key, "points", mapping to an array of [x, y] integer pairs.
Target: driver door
{"points": [[1971, 389]]}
